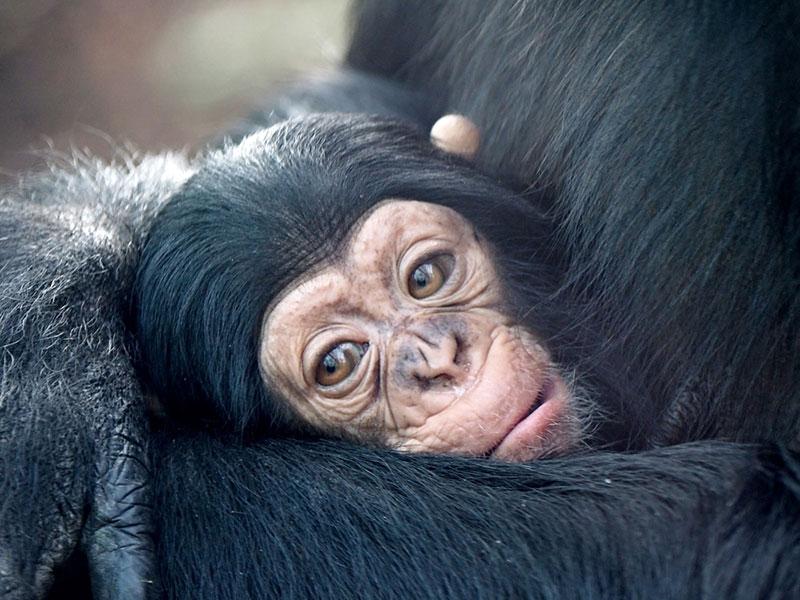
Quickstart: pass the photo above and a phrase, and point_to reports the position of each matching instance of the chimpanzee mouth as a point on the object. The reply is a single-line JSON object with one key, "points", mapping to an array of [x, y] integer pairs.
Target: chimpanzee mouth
{"points": [[542, 396]]}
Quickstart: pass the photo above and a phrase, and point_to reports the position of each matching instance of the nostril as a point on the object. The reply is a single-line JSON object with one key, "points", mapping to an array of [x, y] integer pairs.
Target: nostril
{"points": [[459, 356], [439, 381], [437, 361], [442, 381], [424, 383]]}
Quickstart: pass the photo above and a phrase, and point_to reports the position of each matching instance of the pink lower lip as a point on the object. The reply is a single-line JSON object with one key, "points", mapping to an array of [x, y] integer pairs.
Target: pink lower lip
{"points": [[528, 435]]}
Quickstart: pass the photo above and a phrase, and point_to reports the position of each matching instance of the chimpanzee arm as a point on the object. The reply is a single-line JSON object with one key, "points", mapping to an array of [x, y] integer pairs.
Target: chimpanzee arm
{"points": [[298, 519], [73, 453]]}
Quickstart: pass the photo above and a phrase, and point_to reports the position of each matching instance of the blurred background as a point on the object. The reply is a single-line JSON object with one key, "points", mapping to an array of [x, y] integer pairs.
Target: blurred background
{"points": [[159, 74]]}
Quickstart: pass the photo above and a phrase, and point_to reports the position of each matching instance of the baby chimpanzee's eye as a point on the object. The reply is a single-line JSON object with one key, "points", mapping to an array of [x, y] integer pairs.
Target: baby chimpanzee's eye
{"points": [[429, 277], [339, 363]]}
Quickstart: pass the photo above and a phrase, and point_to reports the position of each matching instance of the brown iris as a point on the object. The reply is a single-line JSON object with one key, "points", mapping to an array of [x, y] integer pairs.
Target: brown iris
{"points": [[427, 279], [339, 363]]}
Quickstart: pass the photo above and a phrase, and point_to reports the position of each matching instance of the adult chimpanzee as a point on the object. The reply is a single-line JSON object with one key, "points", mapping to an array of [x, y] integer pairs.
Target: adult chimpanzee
{"points": [[293, 517], [665, 136]]}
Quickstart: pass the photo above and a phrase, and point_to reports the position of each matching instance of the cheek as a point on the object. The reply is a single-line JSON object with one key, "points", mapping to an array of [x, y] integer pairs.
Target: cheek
{"points": [[462, 428], [337, 411]]}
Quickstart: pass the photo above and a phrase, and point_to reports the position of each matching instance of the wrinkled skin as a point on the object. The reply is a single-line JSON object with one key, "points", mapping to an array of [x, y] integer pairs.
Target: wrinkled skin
{"points": [[436, 368]]}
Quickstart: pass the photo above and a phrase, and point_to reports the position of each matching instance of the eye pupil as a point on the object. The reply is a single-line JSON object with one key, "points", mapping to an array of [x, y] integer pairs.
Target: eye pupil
{"points": [[420, 277], [330, 363]]}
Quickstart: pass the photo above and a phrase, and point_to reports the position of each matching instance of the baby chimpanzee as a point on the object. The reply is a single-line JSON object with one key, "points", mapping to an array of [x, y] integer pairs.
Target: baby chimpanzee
{"points": [[340, 274]]}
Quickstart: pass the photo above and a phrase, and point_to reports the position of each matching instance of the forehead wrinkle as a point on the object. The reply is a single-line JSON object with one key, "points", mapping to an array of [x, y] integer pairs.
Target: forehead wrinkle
{"points": [[374, 237], [368, 243], [307, 302], [361, 256]]}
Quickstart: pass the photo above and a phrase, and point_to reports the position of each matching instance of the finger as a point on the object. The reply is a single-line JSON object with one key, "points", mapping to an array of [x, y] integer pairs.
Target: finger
{"points": [[118, 536], [456, 134]]}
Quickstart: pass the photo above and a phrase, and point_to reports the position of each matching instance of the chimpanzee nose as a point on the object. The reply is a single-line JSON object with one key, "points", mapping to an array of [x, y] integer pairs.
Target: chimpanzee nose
{"points": [[438, 358], [428, 352]]}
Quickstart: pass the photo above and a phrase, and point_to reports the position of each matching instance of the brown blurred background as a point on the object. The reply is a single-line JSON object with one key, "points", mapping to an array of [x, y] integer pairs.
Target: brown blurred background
{"points": [[92, 74]]}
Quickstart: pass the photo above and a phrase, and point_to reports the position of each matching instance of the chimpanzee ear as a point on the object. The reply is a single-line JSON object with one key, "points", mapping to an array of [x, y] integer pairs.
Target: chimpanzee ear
{"points": [[456, 134]]}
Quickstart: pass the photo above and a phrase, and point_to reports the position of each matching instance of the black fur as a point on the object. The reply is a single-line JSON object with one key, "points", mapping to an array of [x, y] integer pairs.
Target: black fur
{"points": [[322, 520], [667, 135], [73, 449]]}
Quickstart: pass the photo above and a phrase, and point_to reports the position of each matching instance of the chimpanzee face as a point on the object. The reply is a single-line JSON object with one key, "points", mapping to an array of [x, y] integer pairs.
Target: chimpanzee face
{"points": [[406, 340]]}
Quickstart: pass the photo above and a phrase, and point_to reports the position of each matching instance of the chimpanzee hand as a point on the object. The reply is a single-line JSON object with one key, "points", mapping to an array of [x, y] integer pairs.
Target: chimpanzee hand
{"points": [[73, 478]]}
